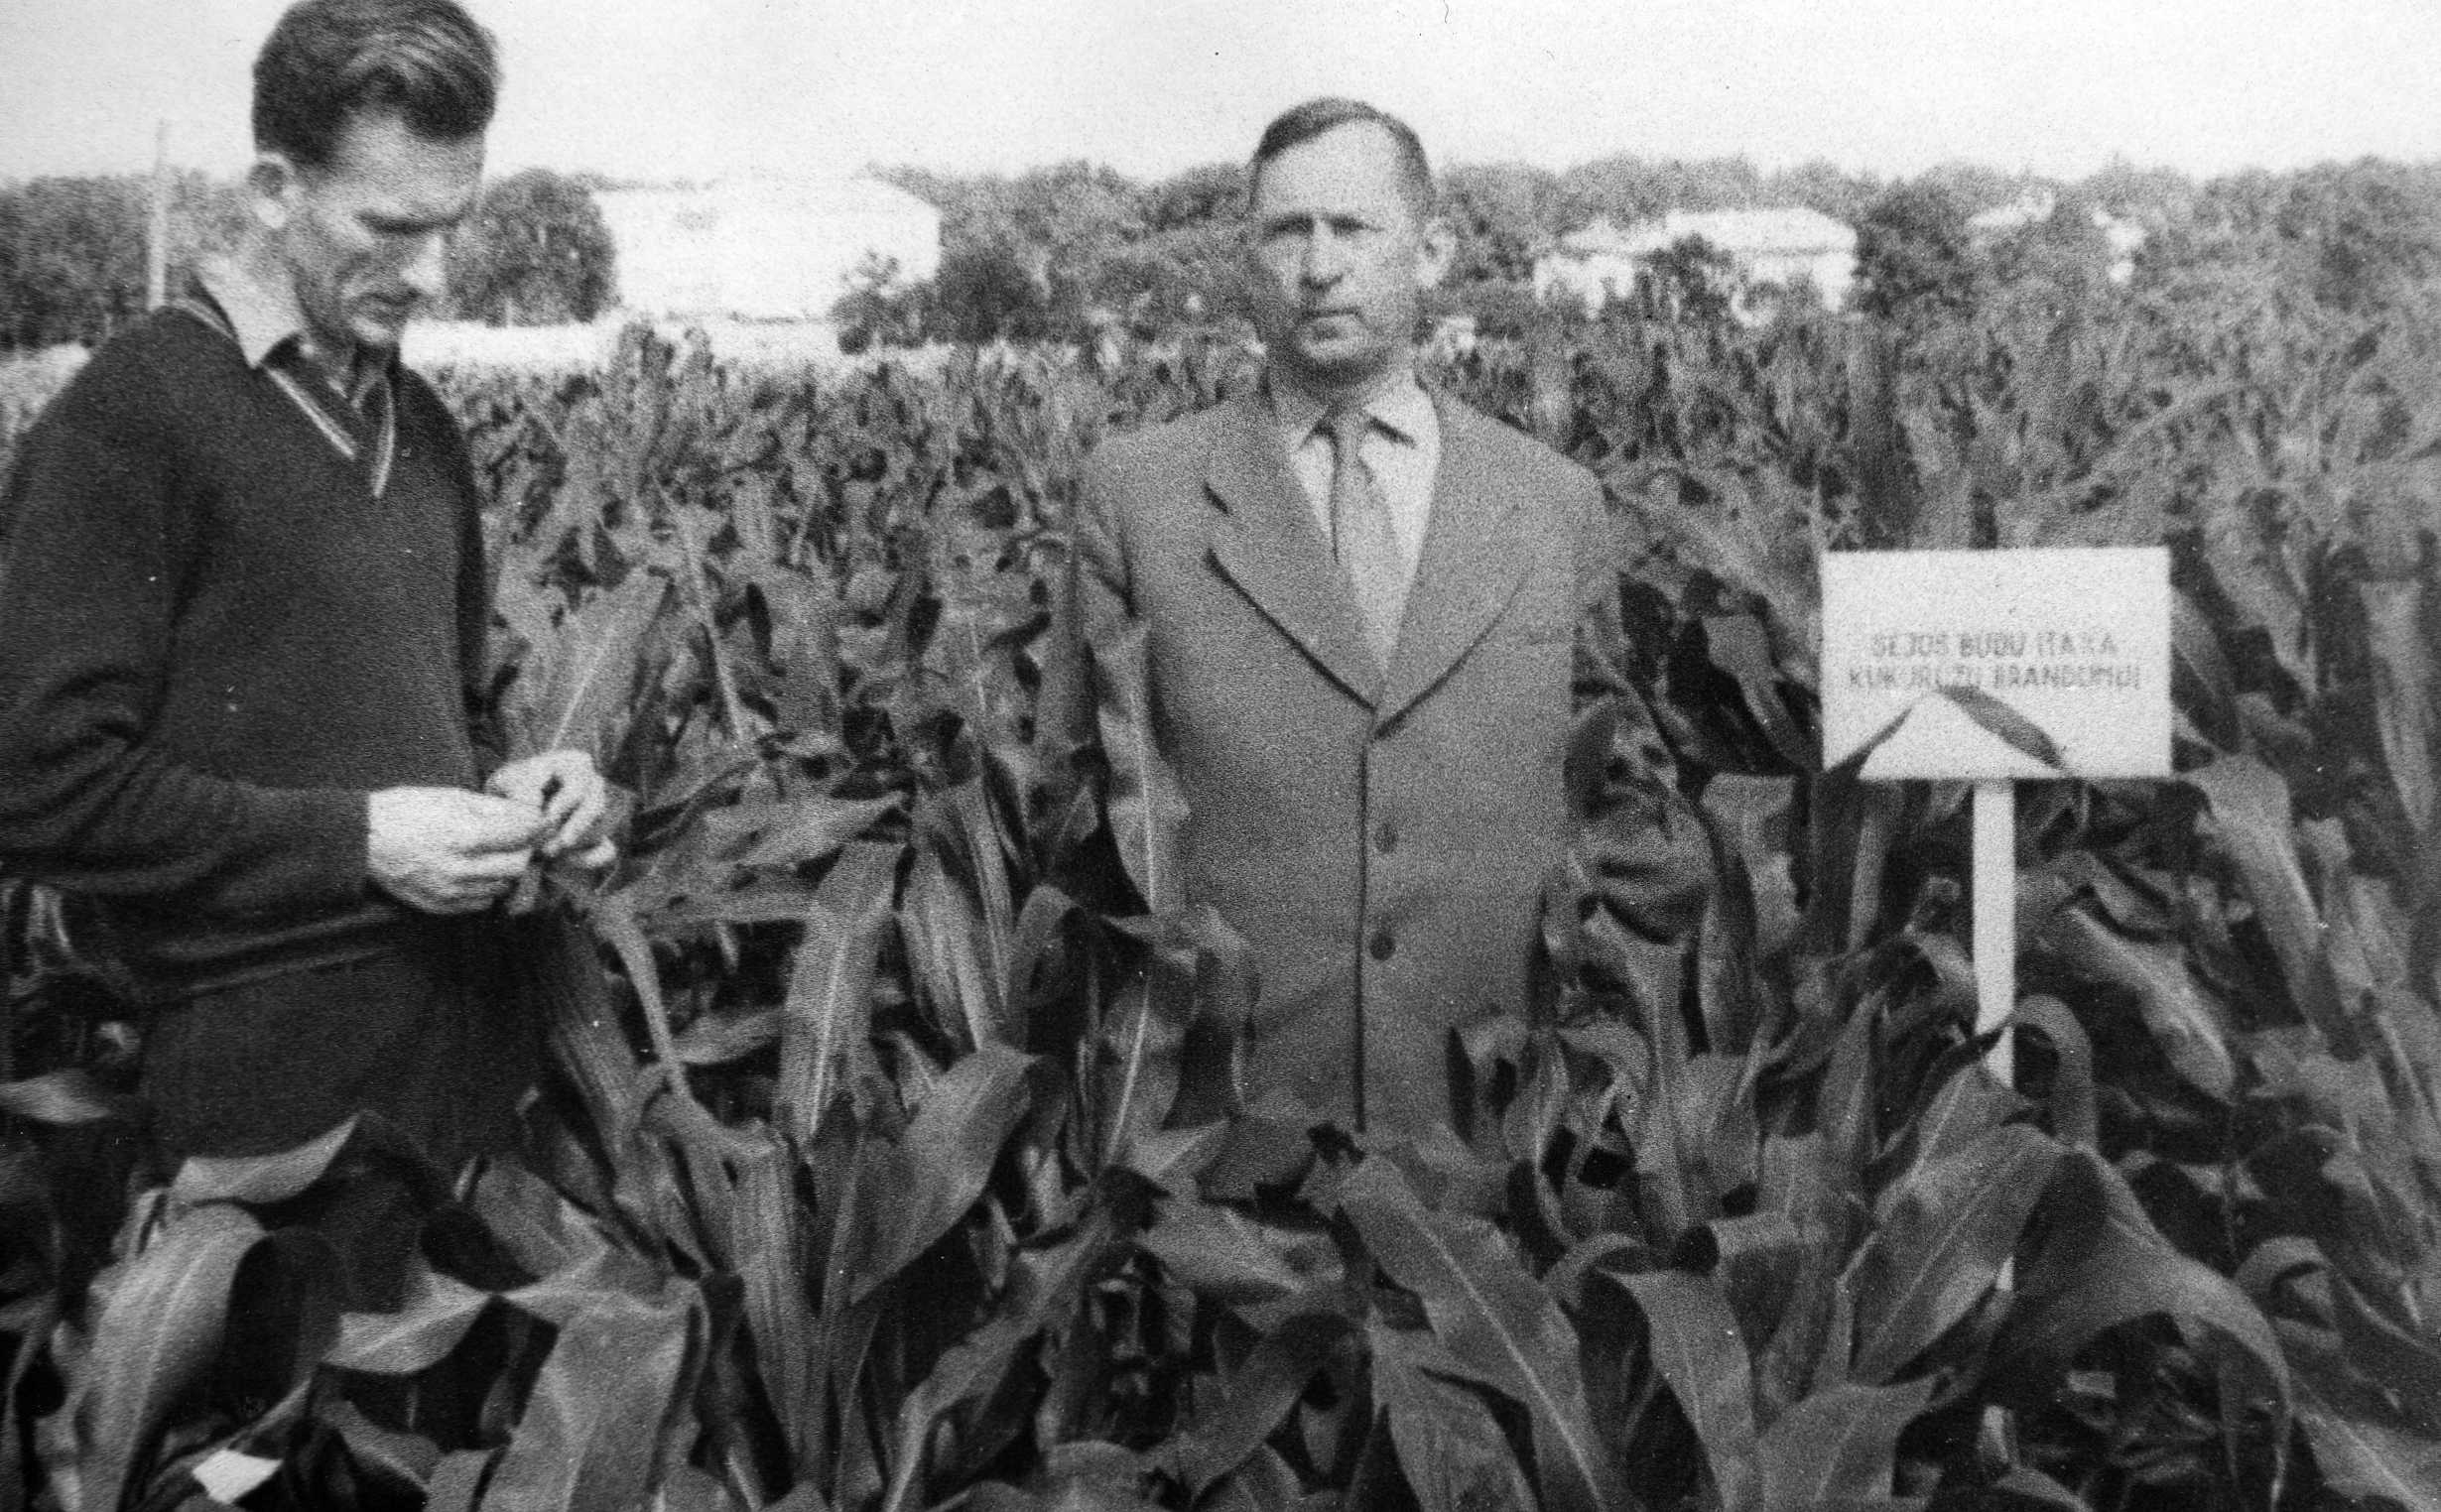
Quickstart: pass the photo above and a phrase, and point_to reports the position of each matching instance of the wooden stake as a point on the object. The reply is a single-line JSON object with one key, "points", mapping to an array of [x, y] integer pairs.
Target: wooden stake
{"points": [[157, 231]]}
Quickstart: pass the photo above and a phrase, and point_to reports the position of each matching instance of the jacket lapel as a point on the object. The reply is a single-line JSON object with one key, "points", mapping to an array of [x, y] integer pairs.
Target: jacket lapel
{"points": [[1265, 542], [1472, 566]]}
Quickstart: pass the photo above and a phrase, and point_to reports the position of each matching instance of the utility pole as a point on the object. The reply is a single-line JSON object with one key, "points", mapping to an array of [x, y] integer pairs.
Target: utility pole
{"points": [[157, 233]]}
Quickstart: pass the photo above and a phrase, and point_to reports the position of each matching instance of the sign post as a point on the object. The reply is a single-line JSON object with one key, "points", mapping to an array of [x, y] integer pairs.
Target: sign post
{"points": [[1992, 668], [1992, 881]]}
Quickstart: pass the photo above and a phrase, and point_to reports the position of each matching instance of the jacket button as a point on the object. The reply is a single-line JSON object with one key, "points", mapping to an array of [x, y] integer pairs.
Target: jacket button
{"points": [[1382, 945], [1385, 836]]}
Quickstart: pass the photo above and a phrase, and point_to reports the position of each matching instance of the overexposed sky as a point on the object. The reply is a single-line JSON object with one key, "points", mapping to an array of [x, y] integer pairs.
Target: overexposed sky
{"points": [[702, 88]]}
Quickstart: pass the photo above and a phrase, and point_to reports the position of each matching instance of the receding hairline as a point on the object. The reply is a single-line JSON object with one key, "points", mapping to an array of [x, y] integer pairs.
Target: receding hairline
{"points": [[1318, 118]]}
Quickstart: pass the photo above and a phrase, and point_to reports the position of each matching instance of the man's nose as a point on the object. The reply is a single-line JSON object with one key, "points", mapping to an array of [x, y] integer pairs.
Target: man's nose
{"points": [[427, 270], [1325, 258]]}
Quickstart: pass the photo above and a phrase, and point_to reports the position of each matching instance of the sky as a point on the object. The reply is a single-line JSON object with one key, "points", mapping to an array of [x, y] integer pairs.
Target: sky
{"points": [[660, 89]]}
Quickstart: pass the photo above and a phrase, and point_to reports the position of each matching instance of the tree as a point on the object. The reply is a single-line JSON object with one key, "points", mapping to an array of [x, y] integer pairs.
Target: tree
{"points": [[536, 253], [2354, 241], [1504, 215], [2371, 229], [1049, 228], [1688, 280], [1914, 259], [881, 306], [1824, 187], [1629, 188], [1976, 188], [2152, 197], [2052, 265], [1205, 196], [988, 293], [71, 259], [1190, 276]]}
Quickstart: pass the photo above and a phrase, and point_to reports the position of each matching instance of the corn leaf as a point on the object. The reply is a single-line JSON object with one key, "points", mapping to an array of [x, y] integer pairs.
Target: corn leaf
{"points": [[2398, 621], [2190, 1025], [767, 1249], [260, 1179], [2104, 1264], [1950, 1230], [805, 830], [156, 1336], [407, 1458], [1450, 1447], [1497, 1322], [935, 1173], [829, 1013], [2250, 813], [456, 1484], [430, 1318], [1146, 807], [1703, 1356], [1044, 1290], [1254, 1398], [1219, 1252], [574, 689], [1838, 1447], [2364, 1447], [592, 1430]]}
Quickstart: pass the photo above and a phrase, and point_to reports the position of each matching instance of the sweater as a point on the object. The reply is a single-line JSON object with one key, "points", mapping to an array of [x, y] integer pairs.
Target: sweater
{"points": [[220, 633]]}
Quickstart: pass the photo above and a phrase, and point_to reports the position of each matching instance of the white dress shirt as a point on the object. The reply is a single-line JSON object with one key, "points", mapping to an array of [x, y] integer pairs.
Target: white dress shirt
{"points": [[1402, 450]]}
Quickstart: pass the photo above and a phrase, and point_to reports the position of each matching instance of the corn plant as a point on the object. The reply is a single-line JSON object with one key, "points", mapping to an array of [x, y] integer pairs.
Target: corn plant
{"points": [[895, 1156]]}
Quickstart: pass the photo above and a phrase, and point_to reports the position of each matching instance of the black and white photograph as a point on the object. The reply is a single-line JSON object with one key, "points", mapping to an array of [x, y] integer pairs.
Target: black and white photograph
{"points": [[1352, 756]]}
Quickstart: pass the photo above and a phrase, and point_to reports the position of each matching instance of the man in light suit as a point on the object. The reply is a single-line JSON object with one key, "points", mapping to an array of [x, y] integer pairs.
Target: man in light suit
{"points": [[1360, 604]]}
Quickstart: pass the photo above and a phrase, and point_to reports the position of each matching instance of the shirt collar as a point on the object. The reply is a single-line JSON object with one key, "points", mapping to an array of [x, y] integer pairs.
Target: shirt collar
{"points": [[1400, 407], [263, 315]]}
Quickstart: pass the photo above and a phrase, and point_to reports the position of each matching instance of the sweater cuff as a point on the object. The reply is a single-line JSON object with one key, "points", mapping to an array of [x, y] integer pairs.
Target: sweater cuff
{"points": [[319, 856]]}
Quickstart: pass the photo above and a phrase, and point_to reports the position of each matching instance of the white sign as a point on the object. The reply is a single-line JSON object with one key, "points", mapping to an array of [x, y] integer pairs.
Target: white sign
{"points": [[1998, 663]]}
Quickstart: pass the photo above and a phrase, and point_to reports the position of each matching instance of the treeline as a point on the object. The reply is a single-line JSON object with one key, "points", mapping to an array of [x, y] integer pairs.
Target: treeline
{"points": [[72, 251], [1074, 250]]}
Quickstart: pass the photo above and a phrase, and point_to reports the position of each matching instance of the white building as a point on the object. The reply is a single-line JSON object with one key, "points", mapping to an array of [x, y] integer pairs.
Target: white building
{"points": [[1783, 246], [2124, 237], [762, 249]]}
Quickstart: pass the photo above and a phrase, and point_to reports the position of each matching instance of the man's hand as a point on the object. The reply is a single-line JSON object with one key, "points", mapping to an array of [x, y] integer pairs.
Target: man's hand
{"points": [[446, 850], [574, 802]]}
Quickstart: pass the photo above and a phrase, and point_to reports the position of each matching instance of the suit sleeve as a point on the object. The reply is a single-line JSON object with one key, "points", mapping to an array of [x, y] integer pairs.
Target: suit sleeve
{"points": [[88, 579]]}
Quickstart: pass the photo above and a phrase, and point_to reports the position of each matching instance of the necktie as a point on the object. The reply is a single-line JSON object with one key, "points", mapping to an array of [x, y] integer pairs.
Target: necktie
{"points": [[1361, 534]]}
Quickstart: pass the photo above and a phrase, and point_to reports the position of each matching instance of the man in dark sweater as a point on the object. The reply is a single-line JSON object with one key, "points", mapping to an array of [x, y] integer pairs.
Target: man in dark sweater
{"points": [[242, 605]]}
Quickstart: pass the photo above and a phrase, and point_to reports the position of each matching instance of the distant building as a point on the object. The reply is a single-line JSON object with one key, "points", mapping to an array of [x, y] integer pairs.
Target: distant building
{"points": [[2124, 237], [761, 249], [1783, 246]]}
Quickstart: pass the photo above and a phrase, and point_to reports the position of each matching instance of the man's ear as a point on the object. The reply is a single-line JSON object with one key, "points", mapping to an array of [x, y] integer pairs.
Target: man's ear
{"points": [[272, 184], [1434, 254]]}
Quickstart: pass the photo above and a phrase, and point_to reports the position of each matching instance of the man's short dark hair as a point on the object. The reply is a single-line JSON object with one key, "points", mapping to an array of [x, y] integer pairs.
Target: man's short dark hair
{"points": [[329, 59], [1303, 123]]}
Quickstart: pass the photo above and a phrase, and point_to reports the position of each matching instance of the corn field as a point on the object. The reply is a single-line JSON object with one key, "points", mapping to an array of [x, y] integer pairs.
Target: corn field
{"points": [[899, 1157]]}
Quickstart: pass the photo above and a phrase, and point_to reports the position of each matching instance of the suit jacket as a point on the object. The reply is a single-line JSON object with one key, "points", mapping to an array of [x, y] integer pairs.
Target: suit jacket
{"points": [[1379, 836]]}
